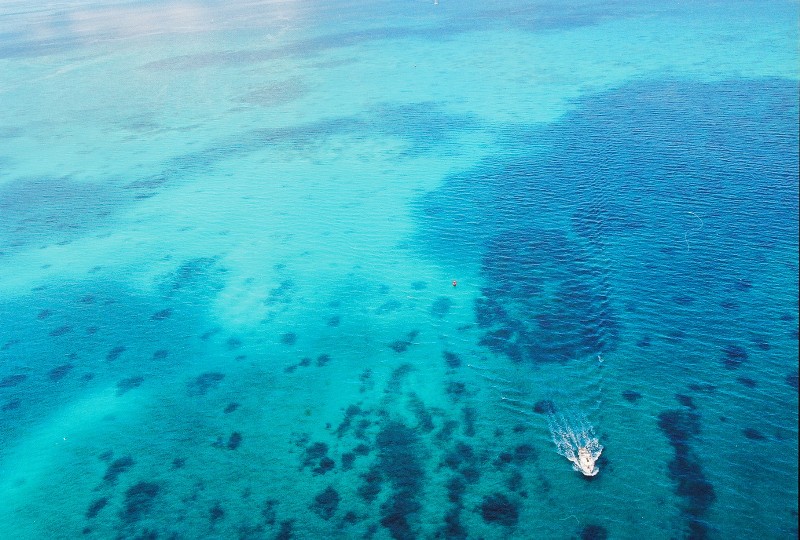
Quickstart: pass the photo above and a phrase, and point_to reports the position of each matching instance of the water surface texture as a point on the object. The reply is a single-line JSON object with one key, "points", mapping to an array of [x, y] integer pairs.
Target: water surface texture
{"points": [[310, 270]]}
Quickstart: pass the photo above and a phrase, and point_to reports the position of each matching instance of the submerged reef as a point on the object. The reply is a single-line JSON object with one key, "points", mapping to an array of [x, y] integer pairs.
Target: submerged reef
{"points": [[546, 274], [685, 469], [497, 508], [203, 383]]}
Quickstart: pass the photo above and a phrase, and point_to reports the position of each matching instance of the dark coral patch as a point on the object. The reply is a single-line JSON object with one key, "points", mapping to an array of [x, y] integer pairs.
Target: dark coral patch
{"points": [[334, 321], [397, 377], [441, 307], [234, 441], [471, 474], [11, 405], [544, 406], [453, 529], [423, 416], [139, 501], [456, 390], [316, 456], [753, 434], [686, 401], [707, 388], [231, 407], [489, 312], [161, 315], [116, 468], [735, 355], [208, 334], [460, 454], [401, 345], [397, 459], [679, 426], [685, 469], [593, 532], [115, 353], [12, 380], [792, 379], [572, 317], [325, 464], [729, 305], [524, 453], [372, 481], [286, 531], [160, 354], [747, 381], [683, 300], [631, 396], [645, 341], [96, 506], [8, 344], [743, 285], [352, 412], [456, 487], [499, 509], [503, 459], [360, 432], [268, 511], [470, 415], [348, 458], [193, 274], [203, 383], [323, 359], [361, 450], [42, 315], [61, 330], [125, 385], [350, 518], [59, 372], [326, 503], [388, 307], [216, 513], [514, 481], [761, 342], [451, 359], [289, 338]]}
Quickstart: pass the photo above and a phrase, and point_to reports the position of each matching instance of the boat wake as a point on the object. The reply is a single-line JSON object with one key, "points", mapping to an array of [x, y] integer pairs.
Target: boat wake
{"points": [[575, 439]]}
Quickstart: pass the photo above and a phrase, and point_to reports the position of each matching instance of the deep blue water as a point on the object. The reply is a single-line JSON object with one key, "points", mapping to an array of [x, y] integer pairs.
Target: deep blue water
{"points": [[332, 270]]}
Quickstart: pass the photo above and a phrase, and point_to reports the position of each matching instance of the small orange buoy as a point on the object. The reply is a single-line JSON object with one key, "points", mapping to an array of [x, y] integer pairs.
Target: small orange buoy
{"points": [[455, 283]]}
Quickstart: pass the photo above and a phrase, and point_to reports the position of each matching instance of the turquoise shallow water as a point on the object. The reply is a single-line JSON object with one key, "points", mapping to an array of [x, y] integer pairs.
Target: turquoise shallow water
{"points": [[229, 234]]}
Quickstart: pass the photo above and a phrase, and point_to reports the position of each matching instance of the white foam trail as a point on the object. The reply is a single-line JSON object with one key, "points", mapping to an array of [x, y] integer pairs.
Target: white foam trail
{"points": [[493, 378], [479, 368], [504, 390], [575, 439], [520, 402], [686, 234], [514, 409]]}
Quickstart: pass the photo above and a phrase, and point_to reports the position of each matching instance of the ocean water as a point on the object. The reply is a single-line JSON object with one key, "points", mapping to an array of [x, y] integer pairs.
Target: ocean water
{"points": [[272, 269]]}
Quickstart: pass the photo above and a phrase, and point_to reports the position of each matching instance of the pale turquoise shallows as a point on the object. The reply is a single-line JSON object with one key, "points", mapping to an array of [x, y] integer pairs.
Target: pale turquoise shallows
{"points": [[310, 270]]}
